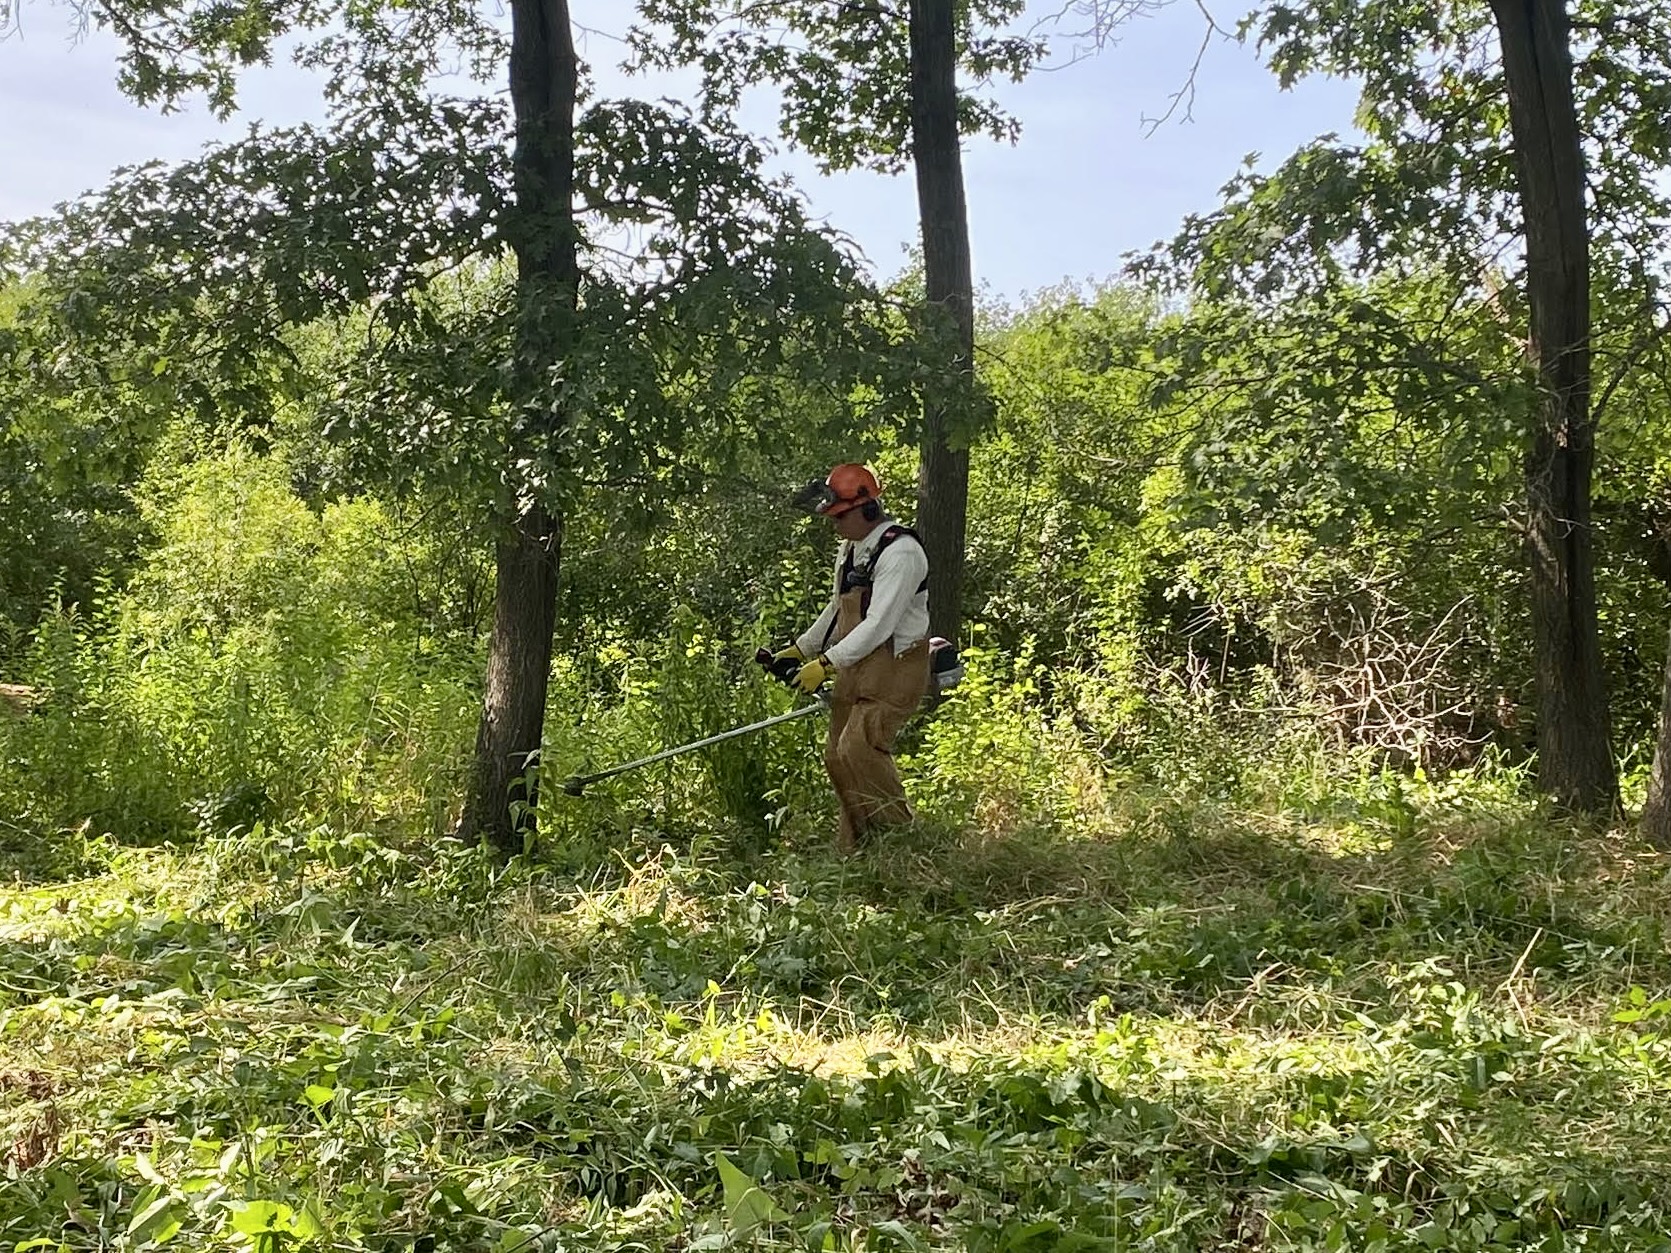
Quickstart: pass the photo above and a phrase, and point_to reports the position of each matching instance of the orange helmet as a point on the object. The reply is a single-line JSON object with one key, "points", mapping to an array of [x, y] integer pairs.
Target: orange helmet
{"points": [[847, 488]]}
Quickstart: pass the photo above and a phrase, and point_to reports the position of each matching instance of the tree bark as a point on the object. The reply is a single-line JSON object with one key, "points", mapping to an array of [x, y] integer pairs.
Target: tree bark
{"points": [[1575, 762], [503, 799], [1656, 810], [544, 76], [943, 490]]}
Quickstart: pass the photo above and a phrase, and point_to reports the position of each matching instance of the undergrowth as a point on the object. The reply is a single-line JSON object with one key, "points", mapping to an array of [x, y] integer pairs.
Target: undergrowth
{"points": [[1425, 1020]]}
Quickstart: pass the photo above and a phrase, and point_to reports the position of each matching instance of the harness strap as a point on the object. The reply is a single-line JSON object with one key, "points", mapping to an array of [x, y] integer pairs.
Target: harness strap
{"points": [[863, 581], [851, 578]]}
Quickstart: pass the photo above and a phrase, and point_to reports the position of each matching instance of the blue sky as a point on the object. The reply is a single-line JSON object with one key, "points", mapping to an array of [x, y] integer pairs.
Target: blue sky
{"points": [[1087, 182]]}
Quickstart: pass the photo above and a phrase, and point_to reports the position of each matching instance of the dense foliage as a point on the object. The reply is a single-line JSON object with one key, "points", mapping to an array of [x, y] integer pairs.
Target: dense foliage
{"points": [[277, 633]]}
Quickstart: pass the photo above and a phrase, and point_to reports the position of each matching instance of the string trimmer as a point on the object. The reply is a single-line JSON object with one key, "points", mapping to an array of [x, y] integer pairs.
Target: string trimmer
{"points": [[575, 785], [946, 671]]}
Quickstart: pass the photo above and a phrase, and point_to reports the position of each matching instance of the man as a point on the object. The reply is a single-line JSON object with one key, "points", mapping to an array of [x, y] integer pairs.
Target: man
{"points": [[873, 637]]}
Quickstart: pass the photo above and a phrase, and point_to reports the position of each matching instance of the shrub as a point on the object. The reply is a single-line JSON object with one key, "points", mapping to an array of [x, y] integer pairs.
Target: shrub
{"points": [[261, 661]]}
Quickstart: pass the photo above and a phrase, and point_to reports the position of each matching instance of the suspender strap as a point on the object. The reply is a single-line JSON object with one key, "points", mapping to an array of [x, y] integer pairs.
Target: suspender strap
{"points": [[852, 579], [862, 581]]}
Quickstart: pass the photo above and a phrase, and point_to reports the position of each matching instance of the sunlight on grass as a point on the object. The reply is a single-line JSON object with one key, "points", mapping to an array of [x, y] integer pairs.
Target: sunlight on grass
{"points": [[1194, 1030]]}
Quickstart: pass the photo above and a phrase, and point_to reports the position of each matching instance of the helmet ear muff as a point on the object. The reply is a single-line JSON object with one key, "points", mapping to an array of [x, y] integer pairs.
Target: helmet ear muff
{"points": [[871, 510]]}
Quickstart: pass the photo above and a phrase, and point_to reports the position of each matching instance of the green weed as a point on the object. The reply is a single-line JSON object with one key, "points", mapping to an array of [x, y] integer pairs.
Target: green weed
{"points": [[1183, 1029]]}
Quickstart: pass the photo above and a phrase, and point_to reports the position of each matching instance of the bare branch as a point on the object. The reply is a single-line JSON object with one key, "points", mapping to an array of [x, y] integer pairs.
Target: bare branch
{"points": [[1631, 359], [1095, 21], [1185, 95]]}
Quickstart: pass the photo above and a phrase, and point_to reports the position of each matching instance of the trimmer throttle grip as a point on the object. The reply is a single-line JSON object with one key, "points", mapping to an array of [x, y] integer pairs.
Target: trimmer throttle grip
{"points": [[780, 668]]}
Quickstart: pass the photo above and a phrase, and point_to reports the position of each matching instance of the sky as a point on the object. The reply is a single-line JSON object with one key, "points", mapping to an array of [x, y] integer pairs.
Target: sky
{"points": [[1089, 181]]}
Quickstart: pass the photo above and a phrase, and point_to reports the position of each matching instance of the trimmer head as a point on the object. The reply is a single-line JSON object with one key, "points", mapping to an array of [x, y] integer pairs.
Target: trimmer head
{"points": [[575, 786]]}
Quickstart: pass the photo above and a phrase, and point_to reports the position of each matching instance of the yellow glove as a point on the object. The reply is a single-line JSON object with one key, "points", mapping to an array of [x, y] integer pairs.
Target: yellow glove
{"points": [[792, 653], [810, 677]]}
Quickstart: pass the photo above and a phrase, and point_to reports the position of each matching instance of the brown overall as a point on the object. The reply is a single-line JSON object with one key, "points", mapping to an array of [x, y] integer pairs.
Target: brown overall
{"points": [[872, 700]]}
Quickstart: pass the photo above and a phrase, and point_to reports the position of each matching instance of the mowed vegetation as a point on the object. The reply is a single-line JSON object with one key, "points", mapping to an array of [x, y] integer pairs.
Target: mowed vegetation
{"points": [[1385, 1020], [1165, 964]]}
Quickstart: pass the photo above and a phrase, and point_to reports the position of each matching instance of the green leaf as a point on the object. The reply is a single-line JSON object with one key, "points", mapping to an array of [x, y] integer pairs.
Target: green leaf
{"points": [[310, 1220], [254, 1218], [317, 1095], [747, 1204], [155, 1221]]}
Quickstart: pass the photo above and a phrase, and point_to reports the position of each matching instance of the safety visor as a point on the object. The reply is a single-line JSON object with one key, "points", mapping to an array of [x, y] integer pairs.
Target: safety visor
{"points": [[820, 498]]}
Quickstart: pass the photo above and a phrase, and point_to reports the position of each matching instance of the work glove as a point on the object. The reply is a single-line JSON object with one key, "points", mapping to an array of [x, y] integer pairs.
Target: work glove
{"points": [[810, 677], [781, 665]]}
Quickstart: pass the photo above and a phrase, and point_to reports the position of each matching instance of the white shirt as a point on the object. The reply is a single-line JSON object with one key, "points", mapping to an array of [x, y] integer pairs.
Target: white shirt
{"points": [[897, 608]]}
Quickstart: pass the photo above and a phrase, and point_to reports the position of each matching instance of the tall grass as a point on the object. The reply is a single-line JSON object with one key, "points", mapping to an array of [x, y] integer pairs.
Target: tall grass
{"points": [[266, 659]]}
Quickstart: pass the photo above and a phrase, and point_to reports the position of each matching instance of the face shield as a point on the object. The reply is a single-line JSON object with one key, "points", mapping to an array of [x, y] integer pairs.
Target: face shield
{"points": [[847, 487], [816, 497], [819, 498]]}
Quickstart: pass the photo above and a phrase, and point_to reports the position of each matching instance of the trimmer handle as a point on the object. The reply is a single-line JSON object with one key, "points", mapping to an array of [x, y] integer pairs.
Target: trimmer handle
{"points": [[783, 670]]}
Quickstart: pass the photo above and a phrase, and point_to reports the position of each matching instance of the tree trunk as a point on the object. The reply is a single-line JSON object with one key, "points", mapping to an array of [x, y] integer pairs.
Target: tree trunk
{"points": [[1656, 811], [502, 801], [943, 492], [544, 76], [1575, 762]]}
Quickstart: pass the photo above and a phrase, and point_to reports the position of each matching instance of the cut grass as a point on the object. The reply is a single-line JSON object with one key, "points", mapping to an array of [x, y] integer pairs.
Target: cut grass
{"points": [[1190, 1027]]}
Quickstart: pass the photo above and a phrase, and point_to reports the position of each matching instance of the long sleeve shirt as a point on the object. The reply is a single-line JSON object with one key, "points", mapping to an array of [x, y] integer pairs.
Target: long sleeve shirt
{"points": [[897, 609]]}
